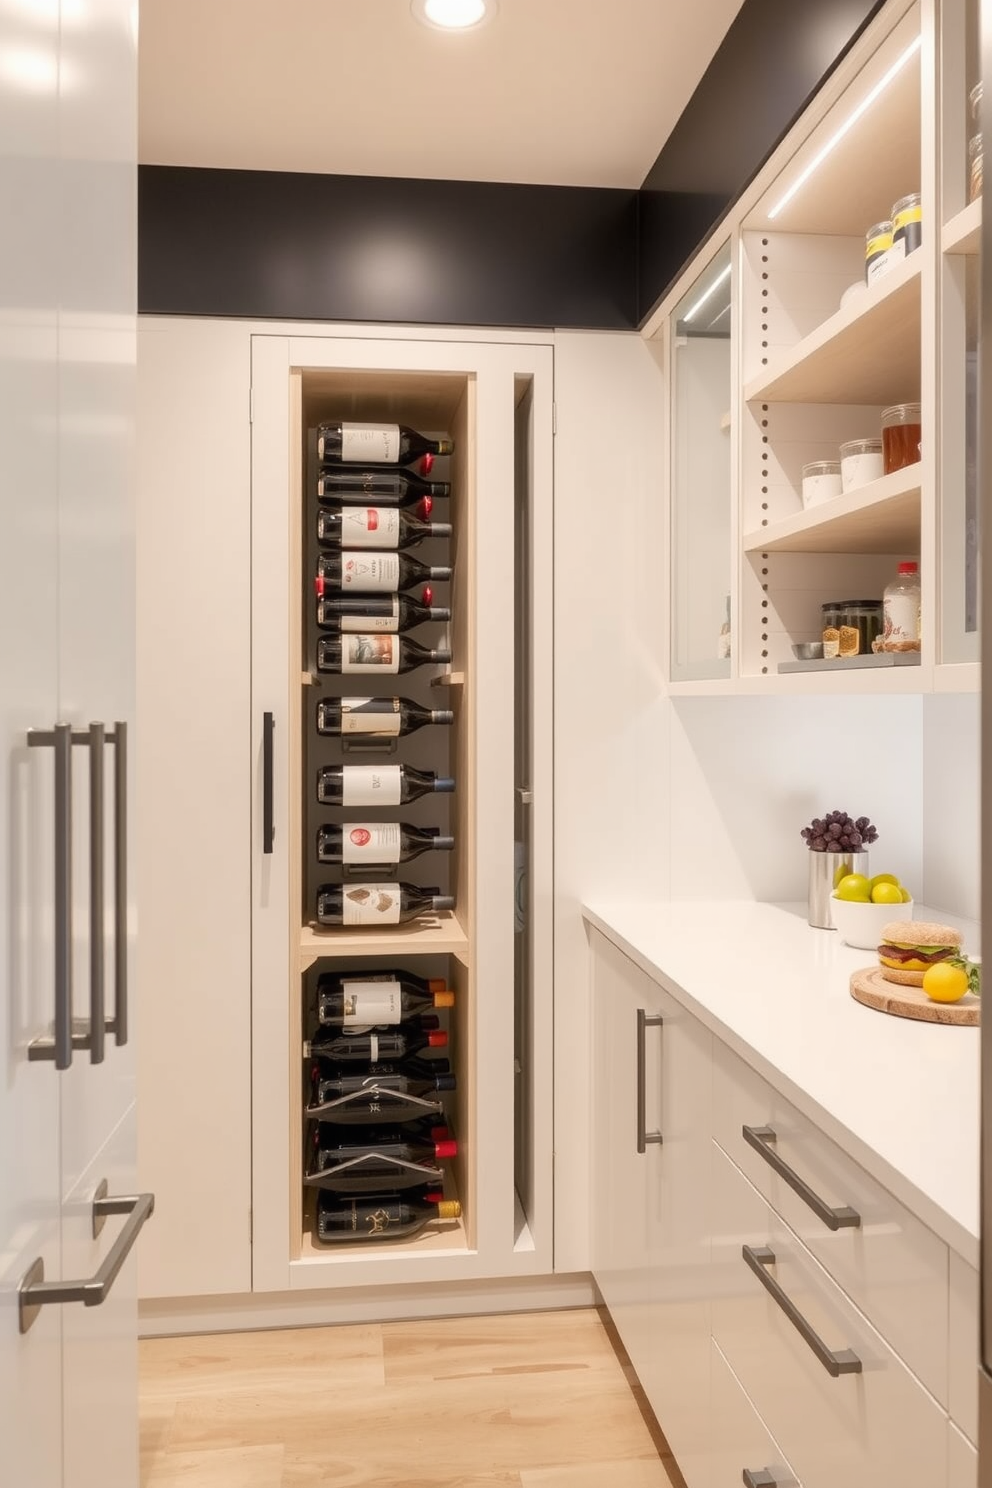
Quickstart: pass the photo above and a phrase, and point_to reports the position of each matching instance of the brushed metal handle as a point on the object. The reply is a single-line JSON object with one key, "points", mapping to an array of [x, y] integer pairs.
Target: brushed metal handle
{"points": [[835, 1362], [60, 1047], [762, 1139], [268, 826], [97, 1038], [644, 1137], [34, 1292], [120, 1023], [760, 1479]]}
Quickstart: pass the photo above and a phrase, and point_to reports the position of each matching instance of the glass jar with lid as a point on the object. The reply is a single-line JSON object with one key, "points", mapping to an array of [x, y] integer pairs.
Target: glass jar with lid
{"points": [[860, 462], [878, 242], [901, 431], [860, 626], [907, 224], [830, 613], [821, 481]]}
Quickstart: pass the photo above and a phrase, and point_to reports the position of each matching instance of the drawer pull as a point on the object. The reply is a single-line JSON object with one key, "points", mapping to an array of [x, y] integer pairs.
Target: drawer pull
{"points": [[644, 1137], [759, 1258], [760, 1479], [763, 1139]]}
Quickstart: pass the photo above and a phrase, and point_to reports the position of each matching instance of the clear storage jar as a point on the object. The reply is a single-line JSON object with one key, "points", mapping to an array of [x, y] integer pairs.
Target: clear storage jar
{"points": [[907, 224], [901, 430], [860, 462], [830, 613], [878, 243], [821, 481]]}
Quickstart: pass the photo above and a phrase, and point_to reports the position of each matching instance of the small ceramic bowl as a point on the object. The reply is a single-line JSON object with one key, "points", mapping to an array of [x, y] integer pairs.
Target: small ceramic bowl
{"points": [[808, 650], [861, 925]]}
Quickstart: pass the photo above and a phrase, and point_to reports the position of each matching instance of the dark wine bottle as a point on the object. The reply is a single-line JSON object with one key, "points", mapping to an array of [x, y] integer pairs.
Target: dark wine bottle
{"points": [[377, 785], [383, 1217], [377, 718], [366, 572], [374, 527], [374, 444], [384, 486], [377, 903], [367, 1161], [378, 842], [359, 1099], [345, 998], [375, 1047], [384, 613], [363, 653]]}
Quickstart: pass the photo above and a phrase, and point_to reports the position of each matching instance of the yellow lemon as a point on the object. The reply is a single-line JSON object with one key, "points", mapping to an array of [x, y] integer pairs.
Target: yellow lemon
{"points": [[945, 983], [854, 886], [906, 896], [886, 893], [888, 878]]}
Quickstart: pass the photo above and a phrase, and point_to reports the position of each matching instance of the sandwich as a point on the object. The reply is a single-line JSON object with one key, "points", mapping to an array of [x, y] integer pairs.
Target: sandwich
{"points": [[908, 947]]}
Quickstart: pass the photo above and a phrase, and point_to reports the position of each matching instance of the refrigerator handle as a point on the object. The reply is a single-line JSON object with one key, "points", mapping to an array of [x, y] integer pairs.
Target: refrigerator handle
{"points": [[268, 826], [120, 1023], [97, 1038], [59, 1048]]}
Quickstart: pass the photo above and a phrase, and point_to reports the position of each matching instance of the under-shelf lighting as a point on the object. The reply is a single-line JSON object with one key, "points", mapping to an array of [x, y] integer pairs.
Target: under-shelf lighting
{"points": [[847, 125], [453, 15], [707, 293]]}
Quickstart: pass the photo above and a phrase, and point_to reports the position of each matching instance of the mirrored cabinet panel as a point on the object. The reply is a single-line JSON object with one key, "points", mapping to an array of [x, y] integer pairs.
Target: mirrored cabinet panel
{"points": [[701, 475]]}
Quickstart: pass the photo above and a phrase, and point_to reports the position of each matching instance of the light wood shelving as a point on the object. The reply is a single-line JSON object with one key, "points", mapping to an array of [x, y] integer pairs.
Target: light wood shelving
{"points": [[883, 517], [435, 934], [867, 352]]}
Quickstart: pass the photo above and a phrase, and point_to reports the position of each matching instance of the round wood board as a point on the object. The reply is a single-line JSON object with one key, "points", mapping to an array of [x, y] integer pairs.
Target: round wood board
{"points": [[871, 988]]}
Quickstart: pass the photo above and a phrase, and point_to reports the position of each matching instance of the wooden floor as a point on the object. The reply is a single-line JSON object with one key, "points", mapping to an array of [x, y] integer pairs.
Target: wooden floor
{"points": [[537, 1400]]}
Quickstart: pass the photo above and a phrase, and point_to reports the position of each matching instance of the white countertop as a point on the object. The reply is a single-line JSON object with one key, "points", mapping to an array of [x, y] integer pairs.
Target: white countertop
{"points": [[902, 1097]]}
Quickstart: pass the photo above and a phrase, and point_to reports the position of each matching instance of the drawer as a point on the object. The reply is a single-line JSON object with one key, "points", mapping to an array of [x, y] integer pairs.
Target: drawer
{"points": [[739, 1441], [893, 1267], [875, 1426], [963, 1367]]}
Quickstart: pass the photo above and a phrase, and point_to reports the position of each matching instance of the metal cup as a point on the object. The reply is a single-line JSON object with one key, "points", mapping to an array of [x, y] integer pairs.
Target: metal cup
{"points": [[823, 874]]}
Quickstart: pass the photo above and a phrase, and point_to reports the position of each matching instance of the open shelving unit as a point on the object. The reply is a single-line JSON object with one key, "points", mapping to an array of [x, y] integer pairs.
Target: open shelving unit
{"points": [[883, 517]]}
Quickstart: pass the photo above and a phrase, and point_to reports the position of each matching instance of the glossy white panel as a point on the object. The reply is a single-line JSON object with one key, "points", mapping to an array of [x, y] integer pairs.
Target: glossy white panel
{"points": [[193, 807], [962, 1460], [963, 1362], [950, 818], [877, 1426], [739, 1438], [100, 1363], [892, 1266], [30, 1384]]}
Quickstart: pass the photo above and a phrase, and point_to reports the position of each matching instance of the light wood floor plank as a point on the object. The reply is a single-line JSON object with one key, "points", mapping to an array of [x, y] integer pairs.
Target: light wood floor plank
{"points": [[239, 1467], [641, 1473]]}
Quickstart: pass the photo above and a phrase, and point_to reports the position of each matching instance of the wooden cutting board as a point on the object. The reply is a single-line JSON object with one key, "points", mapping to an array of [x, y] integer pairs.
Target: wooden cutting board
{"points": [[870, 987]]}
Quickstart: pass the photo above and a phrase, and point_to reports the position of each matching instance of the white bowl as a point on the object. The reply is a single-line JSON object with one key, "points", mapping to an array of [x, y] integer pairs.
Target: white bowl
{"points": [[861, 925]]}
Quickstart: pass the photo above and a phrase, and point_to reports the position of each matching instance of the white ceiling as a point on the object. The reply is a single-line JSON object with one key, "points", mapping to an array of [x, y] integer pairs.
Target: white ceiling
{"points": [[554, 92]]}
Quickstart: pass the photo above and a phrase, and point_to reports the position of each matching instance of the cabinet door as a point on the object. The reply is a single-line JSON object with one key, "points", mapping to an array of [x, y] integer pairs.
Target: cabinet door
{"points": [[650, 1227]]}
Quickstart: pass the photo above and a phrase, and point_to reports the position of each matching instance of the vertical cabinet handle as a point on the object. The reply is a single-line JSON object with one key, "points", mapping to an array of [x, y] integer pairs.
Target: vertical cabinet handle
{"points": [[120, 1023], [268, 828], [644, 1137], [62, 737], [835, 1362]]}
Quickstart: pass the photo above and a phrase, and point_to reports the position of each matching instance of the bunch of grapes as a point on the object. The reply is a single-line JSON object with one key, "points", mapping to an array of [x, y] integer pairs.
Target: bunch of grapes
{"points": [[838, 832]]}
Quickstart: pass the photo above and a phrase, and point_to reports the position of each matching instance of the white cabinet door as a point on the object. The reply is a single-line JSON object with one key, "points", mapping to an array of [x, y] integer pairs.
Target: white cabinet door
{"points": [[650, 1232]]}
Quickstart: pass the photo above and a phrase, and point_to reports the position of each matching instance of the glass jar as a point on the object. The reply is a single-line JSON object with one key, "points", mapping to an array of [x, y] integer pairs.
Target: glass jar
{"points": [[860, 463], [830, 612], [907, 224], [901, 430], [974, 167], [821, 481], [878, 241], [901, 606], [860, 626]]}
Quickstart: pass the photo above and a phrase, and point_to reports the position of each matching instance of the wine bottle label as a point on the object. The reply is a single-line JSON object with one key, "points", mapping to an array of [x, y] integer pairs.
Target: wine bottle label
{"points": [[371, 785], [370, 443], [370, 526], [370, 653], [388, 624], [368, 1004], [370, 904], [371, 716], [370, 573], [370, 842]]}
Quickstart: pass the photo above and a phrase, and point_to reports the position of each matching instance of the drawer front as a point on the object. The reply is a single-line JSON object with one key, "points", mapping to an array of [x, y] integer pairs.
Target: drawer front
{"points": [[891, 1265], [876, 1426], [739, 1441], [963, 1367]]}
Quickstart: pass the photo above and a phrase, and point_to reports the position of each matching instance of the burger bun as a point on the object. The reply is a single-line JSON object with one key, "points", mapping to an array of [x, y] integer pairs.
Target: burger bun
{"points": [[915, 933]]}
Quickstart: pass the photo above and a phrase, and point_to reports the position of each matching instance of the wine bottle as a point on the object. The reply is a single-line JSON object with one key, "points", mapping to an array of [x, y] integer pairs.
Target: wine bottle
{"points": [[377, 785], [377, 903], [387, 444], [345, 998], [384, 653], [414, 1067], [383, 1217], [377, 718], [378, 842], [374, 1047], [370, 1099], [329, 1146], [376, 573], [374, 527], [385, 613], [386, 487]]}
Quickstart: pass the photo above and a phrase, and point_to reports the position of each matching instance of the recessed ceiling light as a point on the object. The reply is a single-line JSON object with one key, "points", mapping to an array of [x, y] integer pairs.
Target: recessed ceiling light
{"points": [[453, 15]]}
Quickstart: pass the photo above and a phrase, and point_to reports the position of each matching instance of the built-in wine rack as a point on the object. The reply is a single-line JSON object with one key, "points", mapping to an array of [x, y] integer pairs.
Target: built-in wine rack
{"points": [[381, 1124]]}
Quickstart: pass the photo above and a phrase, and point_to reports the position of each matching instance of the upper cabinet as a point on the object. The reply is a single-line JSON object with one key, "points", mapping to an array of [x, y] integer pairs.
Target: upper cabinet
{"points": [[851, 267]]}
